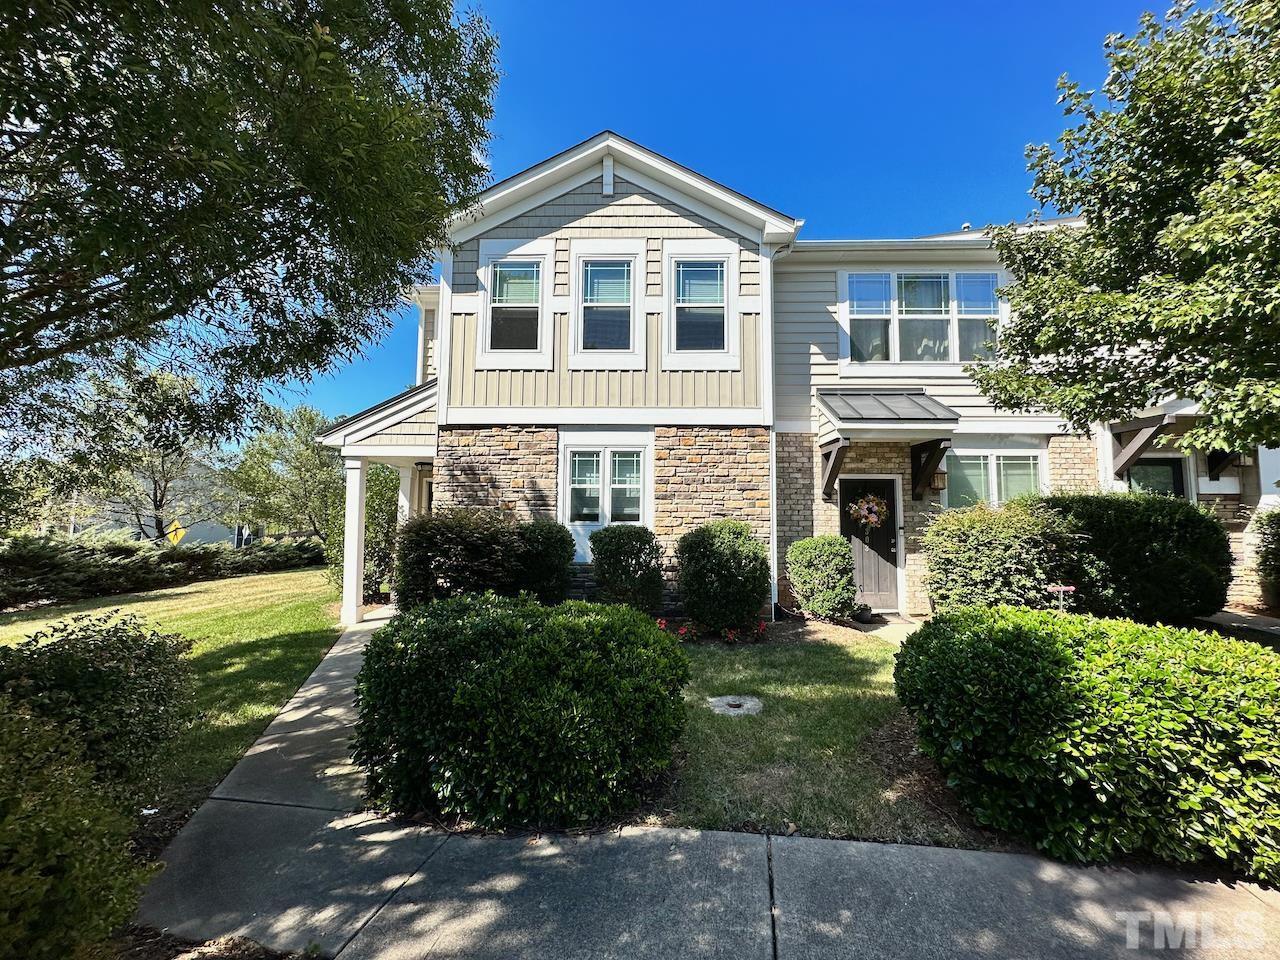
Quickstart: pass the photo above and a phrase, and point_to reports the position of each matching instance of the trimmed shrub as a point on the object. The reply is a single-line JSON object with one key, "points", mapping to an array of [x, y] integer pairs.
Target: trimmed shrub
{"points": [[1101, 738], [1269, 555], [120, 688], [505, 712], [54, 570], [821, 573], [626, 561], [66, 877], [1156, 559], [985, 555], [722, 572], [546, 552]]}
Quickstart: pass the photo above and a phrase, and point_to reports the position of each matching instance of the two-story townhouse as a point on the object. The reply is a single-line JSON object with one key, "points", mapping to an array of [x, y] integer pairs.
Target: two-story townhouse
{"points": [[618, 339]]}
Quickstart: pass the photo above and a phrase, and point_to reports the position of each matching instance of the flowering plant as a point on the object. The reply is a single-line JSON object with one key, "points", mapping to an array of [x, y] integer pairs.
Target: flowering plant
{"points": [[869, 510]]}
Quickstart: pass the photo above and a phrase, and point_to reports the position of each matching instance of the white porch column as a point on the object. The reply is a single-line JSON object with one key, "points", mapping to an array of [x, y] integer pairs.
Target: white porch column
{"points": [[405, 505], [353, 543]]}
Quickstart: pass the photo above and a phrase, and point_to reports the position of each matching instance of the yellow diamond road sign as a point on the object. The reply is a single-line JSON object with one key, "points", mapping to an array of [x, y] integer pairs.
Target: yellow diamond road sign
{"points": [[175, 532]]}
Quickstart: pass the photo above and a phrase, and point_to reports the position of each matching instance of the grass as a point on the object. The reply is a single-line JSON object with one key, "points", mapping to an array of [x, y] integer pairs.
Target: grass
{"points": [[255, 640], [832, 753]]}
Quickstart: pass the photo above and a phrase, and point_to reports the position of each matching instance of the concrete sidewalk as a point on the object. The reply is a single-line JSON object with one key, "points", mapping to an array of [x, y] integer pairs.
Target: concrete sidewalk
{"points": [[282, 854]]}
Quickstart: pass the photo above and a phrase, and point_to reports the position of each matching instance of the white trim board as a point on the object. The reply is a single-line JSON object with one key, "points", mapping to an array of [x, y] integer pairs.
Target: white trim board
{"points": [[609, 416]]}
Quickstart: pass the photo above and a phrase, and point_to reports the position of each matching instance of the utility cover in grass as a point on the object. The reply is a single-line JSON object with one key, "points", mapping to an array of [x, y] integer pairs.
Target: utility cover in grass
{"points": [[735, 706]]}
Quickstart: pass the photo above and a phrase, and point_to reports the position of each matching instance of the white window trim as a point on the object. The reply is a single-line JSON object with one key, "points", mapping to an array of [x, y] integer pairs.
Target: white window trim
{"points": [[634, 357], [606, 443], [541, 358], [895, 366], [1041, 453], [730, 358]]}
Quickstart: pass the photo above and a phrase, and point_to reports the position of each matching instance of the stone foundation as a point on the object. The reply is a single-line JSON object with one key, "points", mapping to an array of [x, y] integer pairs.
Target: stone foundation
{"points": [[1073, 463], [507, 468]]}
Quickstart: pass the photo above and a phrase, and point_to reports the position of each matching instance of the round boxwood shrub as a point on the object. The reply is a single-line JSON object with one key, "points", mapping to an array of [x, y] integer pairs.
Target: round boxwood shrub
{"points": [[1154, 558], [120, 688], [722, 573], [820, 571], [542, 568], [1000, 555], [505, 712], [449, 552], [66, 877], [627, 564], [1100, 738]]}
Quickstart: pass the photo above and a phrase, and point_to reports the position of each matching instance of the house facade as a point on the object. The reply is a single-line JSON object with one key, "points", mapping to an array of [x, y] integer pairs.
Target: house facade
{"points": [[618, 339]]}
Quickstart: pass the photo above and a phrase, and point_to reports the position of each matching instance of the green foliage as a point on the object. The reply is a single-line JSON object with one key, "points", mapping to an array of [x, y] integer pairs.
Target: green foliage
{"points": [[722, 572], [1172, 288], [542, 568], [53, 569], [821, 573], [120, 688], [1269, 548], [469, 550], [381, 526], [245, 188], [1152, 558], [1097, 739], [1012, 554], [66, 877], [626, 561], [505, 712]]}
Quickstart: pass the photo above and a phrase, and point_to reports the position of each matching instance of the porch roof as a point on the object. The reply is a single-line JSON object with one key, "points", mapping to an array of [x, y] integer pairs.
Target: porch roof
{"points": [[851, 409]]}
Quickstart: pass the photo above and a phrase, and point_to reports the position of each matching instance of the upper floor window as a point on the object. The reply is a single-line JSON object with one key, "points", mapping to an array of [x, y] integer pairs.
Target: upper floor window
{"points": [[921, 317], [606, 305], [700, 305], [516, 305], [607, 328]]}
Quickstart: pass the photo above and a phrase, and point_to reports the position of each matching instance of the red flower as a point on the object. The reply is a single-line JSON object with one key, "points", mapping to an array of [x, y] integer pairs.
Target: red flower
{"points": [[662, 623], [682, 631]]}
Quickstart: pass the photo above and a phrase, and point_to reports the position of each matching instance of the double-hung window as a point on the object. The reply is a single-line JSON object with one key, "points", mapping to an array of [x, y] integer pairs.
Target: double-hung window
{"points": [[605, 482], [918, 317], [606, 305], [991, 477], [607, 323], [516, 305], [700, 305], [513, 322], [702, 325]]}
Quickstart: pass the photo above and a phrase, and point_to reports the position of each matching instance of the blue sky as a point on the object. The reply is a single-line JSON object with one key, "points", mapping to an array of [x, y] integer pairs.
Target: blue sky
{"points": [[864, 119]]}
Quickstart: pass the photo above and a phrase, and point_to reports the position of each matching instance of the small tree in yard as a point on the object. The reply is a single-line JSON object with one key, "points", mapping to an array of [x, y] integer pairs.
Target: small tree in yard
{"points": [[1173, 286]]}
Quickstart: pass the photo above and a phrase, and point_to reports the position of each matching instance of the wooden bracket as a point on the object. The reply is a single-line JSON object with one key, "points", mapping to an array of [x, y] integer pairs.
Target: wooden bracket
{"points": [[925, 458], [832, 460], [1219, 460], [1147, 432]]}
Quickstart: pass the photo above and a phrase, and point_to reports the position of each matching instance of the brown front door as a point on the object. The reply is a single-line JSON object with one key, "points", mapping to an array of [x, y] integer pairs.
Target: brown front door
{"points": [[875, 551]]}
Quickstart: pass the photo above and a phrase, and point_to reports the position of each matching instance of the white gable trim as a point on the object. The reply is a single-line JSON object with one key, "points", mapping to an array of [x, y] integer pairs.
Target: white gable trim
{"points": [[366, 425]]}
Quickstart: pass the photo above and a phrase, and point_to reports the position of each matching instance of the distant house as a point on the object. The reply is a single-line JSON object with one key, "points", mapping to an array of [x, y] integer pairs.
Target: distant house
{"points": [[616, 338]]}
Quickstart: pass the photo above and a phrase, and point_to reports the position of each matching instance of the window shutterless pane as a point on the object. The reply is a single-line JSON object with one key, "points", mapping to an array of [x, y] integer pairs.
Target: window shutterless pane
{"points": [[624, 502], [920, 339], [584, 468], [606, 328], [976, 295], [868, 340], [699, 282], [626, 468], [967, 479], [869, 295], [1155, 477], [699, 328], [516, 281], [921, 294], [584, 487], [1016, 476], [975, 337], [513, 328], [606, 281]]}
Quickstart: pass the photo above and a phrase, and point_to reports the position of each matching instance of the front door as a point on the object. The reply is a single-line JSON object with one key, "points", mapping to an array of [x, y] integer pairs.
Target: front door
{"points": [[875, 551]]}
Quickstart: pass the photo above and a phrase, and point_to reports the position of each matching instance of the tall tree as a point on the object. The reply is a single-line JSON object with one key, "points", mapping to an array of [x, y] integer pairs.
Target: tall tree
{"points": [[1172, 287], [285, 479], [238, 189]]}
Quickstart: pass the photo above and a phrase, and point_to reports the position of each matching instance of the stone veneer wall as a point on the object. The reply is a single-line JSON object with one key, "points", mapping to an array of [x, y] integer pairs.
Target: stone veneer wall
{"points": [[510, 468], [1073, 463], [708, 473], [802, 512]]}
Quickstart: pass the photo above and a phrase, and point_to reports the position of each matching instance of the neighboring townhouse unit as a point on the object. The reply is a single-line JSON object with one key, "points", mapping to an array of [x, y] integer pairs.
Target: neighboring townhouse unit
{"points": [[618, 339]]}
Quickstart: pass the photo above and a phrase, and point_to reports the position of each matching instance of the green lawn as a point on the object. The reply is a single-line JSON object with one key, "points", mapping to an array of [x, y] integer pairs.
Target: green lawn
{"points": [[832, 753], [256, 639]]}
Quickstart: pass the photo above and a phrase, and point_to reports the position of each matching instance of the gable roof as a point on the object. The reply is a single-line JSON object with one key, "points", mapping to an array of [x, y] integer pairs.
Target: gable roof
{"points": [[638, 164], [392, 410]]}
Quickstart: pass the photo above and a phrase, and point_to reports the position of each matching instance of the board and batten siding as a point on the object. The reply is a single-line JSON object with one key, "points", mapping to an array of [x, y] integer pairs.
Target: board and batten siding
{"points": [[412, 431], [584, 212], [807, 348]]}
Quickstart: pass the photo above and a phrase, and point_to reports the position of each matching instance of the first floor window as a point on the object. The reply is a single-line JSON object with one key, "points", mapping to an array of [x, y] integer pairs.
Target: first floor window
{"points": [[624, 487], [990, 477], [605, 485], [515, 304], [584, 486], [606, 305], [700, 305]]}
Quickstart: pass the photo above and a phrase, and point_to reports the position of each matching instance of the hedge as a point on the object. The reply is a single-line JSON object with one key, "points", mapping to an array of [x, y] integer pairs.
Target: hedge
{"points": [[467, 550], [1269, 554], [119, 688], [66, 877], [626, 561], [505, 712], [722, 573], [821, 573], [54, 569], [1098, 738]]}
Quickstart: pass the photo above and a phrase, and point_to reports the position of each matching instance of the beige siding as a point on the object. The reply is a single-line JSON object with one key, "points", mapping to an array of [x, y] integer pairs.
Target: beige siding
{"points": [[561, 387], [411, 431], [807, 349]]}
